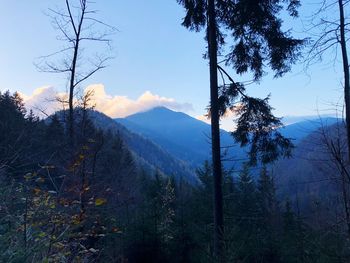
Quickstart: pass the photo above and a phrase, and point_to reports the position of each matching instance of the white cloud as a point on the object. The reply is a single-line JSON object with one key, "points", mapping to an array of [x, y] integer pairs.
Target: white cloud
{"points": [[226, 122], [122, 106], [44, 100]]}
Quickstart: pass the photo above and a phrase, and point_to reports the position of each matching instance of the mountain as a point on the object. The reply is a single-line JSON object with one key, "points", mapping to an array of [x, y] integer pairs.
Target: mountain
{"points": [[177, 143], [188, 139], [306, 126], [312, 174], [148, 155], [181, 135]]}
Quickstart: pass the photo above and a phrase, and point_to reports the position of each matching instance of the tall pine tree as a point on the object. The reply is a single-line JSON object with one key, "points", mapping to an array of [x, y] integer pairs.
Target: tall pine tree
{"points": [[257, 39]]}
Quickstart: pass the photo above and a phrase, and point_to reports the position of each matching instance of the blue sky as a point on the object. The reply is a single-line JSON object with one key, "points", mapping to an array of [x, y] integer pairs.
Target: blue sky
{"points": [[153, 52]]}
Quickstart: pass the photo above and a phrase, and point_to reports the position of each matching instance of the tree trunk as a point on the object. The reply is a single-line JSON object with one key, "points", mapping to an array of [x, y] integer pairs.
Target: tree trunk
{"points": [[215, 134], [71, 90], [346, 72]]}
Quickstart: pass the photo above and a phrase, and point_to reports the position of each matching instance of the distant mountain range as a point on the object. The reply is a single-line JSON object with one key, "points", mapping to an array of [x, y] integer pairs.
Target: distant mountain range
{"points": [[188, 139], [147, 154], [175, 143], [181, 135], [311, 178], [303, 128]]}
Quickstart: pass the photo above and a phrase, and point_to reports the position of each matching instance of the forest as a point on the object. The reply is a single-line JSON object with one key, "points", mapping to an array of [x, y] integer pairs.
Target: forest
{"points": [[78, 185]]}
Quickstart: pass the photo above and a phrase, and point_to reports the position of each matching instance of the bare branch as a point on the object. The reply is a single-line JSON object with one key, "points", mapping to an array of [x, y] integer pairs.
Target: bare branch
{"points": [[71, 17]]}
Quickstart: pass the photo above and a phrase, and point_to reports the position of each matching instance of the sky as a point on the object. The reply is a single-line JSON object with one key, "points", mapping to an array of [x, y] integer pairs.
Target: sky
{"points": [[157, 62]]}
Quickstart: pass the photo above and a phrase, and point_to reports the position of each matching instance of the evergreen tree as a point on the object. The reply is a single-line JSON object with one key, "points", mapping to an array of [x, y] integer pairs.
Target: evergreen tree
{"points": [[247, 217], [268, 230], [267, 44], [294, 236]]}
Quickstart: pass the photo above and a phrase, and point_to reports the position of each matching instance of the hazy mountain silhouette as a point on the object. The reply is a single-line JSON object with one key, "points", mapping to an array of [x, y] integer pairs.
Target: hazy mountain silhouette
{"points": [[147, 154], [182, 135], [188, 138]]}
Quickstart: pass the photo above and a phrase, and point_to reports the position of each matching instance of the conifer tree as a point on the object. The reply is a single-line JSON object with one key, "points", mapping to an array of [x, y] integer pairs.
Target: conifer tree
{"points": [[268, 217], [293, 241], [247, 215], [256, 39]]}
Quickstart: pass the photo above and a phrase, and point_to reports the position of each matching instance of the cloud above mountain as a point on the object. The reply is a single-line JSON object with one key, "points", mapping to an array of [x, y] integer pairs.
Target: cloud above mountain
{"points": [[226, 122], [46, 100]]}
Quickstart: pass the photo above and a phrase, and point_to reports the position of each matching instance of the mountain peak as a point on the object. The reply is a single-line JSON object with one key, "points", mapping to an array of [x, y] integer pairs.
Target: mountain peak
{"points": [[158, 114], [160, 109]]}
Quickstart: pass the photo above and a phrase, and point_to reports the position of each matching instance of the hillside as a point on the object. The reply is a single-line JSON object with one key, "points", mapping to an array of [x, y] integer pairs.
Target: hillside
{"points": [[182, 135], [187, 138], [311, 174], [148, 154]]}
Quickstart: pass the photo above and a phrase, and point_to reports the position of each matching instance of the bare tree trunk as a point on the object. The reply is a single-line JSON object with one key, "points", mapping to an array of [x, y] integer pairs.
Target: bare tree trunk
{"points": [[25, 219], [72, 81], [336, 152], [76, 25], [215, 134], [71, 91], [345, 201], [347, 103], [346, 71]]}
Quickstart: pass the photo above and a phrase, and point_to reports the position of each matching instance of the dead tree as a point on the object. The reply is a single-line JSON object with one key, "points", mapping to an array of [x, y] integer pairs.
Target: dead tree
{"points": [[329, 34], [333, 140], [77, 24]]}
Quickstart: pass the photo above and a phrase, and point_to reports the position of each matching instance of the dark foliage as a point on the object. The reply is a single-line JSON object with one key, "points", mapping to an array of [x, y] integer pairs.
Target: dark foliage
{"points": [[257, 41], [89, 202]]}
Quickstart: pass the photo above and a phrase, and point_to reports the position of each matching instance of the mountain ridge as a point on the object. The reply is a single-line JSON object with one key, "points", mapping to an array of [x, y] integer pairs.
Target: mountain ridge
{"points": [[188, 138]]}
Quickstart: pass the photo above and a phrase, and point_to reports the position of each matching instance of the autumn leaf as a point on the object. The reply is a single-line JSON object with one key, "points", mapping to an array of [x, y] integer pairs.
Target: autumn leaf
{"points": [[100, 201], [76, 219], [42, 234]]}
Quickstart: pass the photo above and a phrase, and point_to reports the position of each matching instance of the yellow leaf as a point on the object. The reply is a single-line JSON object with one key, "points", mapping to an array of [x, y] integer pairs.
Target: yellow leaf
{"points": [[42, 234], [100, 201]]}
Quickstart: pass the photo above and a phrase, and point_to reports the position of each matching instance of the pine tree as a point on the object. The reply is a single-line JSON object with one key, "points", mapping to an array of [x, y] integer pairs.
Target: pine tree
{"points": [[268, 218], [294, 238], [247, 217], [257, 40]]}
